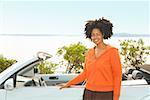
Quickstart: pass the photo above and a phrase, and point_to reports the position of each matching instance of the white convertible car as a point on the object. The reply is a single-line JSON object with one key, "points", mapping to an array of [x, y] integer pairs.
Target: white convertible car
{"points": [[19, 82]]}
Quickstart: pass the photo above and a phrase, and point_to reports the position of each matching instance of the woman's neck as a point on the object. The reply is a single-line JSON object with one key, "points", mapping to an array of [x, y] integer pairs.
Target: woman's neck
{"points": [[101, 46]]}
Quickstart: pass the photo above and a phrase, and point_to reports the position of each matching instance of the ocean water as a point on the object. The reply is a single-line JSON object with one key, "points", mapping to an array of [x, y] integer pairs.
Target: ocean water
{"points": [[22, 47]]}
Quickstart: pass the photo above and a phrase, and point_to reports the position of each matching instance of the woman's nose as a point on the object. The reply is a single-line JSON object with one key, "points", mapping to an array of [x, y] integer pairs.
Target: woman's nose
{"points": [[96, 36]]}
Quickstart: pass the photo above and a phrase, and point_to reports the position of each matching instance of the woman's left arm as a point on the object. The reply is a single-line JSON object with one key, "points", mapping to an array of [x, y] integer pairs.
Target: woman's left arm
{"points": [[117, 73]]}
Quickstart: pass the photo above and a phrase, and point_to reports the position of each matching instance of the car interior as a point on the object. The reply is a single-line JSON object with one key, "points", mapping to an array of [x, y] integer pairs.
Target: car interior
{"points": [[135, 74]]}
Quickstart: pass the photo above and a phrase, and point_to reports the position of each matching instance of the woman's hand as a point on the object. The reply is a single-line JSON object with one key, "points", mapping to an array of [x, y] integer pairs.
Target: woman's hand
{"points": [[63, 85]]}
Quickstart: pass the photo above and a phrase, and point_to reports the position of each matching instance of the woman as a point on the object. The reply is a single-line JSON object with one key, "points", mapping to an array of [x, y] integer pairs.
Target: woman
{"points": [[102, 70]]}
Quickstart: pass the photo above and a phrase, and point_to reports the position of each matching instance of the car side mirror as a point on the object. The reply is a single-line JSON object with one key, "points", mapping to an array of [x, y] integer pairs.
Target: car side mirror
{"points": [[9, 84]]}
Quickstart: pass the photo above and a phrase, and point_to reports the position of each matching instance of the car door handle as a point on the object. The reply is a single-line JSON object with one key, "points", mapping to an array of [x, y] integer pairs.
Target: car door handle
{"points": [[53, 78]]}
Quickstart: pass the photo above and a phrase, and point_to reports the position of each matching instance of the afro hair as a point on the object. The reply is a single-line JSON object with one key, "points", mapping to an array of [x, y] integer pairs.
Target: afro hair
{"points": [[104, 25]]}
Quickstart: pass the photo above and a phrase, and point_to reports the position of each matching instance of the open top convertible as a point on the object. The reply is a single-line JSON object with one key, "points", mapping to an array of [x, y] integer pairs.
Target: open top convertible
{"points": [[19, 82]]}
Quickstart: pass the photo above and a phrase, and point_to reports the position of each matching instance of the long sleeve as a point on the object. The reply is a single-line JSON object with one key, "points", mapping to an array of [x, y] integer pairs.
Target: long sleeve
{"points": [[78, 79], [117, 73]]}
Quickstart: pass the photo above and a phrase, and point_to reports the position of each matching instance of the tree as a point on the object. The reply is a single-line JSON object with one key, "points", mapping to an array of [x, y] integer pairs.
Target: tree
{"points": [[5, 63], [74, 54], [133, 52], [46, 67]]}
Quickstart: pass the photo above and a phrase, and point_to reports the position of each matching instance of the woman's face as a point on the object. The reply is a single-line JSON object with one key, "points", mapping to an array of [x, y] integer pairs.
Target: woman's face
{"points": [[96, 36]]}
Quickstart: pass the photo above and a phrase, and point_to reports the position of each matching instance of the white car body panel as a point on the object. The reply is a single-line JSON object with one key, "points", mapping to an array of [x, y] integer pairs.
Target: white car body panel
{"points": [[135, 92], [2, 94], [45, 93], [74, 93]]}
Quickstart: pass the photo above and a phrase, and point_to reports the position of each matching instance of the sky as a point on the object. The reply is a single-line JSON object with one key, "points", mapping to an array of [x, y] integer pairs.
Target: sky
{"points": [[69, 17]]}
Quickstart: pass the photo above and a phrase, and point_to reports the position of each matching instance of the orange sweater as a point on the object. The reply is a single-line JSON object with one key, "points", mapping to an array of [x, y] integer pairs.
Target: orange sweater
{"points": [[103, 73]]}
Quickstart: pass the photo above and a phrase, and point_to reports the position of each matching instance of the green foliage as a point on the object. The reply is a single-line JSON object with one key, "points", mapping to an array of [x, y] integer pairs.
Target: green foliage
{"points": [[74, 54], [46, 67], [133, 52], [5, 63]]}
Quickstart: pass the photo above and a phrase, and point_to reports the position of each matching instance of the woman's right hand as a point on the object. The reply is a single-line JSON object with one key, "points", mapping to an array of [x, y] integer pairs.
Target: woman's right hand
{"points": [[63, 85]]}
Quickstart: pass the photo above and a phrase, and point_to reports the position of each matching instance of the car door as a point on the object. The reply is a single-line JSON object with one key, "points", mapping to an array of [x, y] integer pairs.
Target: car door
{"points": [[30, 88], [45, 93]]}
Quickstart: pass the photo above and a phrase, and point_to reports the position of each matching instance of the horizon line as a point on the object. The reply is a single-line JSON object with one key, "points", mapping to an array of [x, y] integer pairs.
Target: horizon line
{"points": [[116, 34]]}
